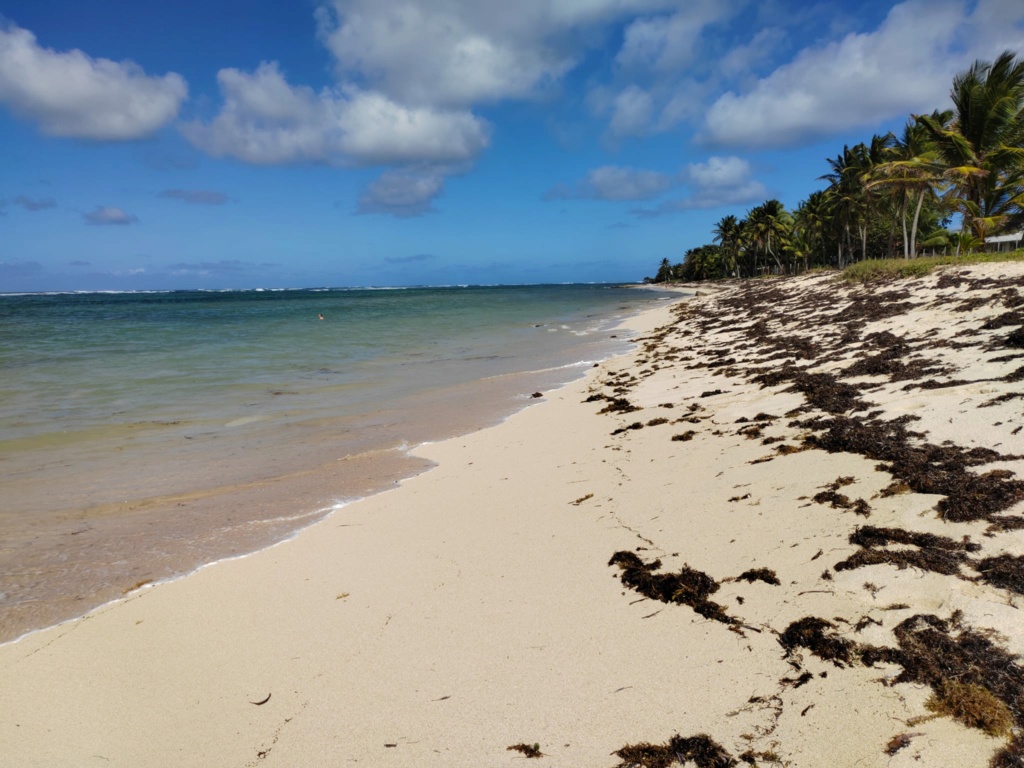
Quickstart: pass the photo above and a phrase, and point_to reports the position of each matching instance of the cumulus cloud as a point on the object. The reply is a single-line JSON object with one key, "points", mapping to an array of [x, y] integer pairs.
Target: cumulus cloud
{"points": [[611, 182], [906, 65], [71, 94], [107, 216], [30, 204], [402, 193], [719, 182], [267, 121], [666, 43], [462, 52], [196, 196]]}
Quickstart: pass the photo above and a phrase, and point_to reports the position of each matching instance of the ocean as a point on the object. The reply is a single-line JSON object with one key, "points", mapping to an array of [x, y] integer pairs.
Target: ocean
{"points": [[143, 435]]}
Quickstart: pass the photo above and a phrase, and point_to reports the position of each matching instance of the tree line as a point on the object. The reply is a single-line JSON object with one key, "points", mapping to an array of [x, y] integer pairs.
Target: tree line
{"points": [[895, 195]]}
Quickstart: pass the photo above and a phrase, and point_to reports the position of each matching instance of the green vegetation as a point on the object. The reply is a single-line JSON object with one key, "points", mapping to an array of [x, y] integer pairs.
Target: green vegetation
{"points": [[893, 196], [887, 269]]}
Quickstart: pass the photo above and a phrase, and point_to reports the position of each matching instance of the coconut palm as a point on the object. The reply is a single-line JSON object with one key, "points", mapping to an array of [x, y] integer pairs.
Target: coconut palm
{"points": [[811, 223], [768, 227], [981, 150], [728, 233], [911, 175]]}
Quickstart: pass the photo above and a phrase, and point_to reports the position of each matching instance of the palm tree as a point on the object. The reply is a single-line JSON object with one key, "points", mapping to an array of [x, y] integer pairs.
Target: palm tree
{"points": [[981, 150], [912, 174], [811, 223], [769, 226], [728, 234]]}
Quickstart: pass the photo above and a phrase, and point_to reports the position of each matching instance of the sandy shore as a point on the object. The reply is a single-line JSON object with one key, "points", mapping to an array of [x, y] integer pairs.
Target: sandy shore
{"points": [[473, 608]]}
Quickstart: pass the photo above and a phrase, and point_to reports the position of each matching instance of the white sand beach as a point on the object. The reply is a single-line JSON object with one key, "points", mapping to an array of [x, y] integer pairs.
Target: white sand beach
{"points": [[473, 607]]}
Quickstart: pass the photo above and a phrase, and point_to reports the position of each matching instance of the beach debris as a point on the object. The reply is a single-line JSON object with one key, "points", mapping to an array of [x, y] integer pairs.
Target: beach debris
{"points": [[759, 574], [898, 742], [634, 425], [924, 468], [657, 422], [820, 638], [751, 757], [537, 394], [261, 702], [701, 750], [1004, 571], [938, 554], [581, 499], [138, 585], [528, 750], [687, 587], [618, 405], [685, 436]]}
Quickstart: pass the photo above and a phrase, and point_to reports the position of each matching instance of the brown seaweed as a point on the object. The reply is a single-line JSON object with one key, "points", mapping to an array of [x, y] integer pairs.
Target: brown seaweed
{"points": [[701, 750]]}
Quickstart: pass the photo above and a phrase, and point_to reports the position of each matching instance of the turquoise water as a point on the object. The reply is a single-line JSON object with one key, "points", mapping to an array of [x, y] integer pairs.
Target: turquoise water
{"points": [[144, 434]]}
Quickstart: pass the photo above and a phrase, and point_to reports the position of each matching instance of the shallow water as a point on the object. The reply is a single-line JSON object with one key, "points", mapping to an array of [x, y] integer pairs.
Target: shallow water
{"points": [[142, 435]]}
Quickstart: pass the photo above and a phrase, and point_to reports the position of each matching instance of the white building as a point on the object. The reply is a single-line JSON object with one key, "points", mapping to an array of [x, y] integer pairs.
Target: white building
{"points": [[1004, 242]]}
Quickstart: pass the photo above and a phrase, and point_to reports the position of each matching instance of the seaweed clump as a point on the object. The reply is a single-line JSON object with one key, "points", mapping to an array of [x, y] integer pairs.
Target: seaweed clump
{"points": [[1005, 571], [759, 574], [701, 750], [529, 750], [927, 468], [973, 680], [820, 638], [939, 554], [688, 587]]}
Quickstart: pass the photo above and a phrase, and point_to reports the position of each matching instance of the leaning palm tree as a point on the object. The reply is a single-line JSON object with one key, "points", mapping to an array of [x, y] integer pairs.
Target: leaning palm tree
{"points": [[981, 150]]}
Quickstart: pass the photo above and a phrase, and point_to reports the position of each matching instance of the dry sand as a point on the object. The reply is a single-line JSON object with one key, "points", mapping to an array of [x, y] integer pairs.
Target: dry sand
{"points": [[472, 608]]}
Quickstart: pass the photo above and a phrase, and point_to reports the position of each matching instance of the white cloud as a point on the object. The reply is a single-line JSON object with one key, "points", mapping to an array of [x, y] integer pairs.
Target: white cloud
{"points": [[904, 66], [719, 182], [666, 43], [612, 182], [722, 181], [402, 194], [265, 120], [741, 59], [104, 216], [461, 52], [632, 110], [74, 95]]}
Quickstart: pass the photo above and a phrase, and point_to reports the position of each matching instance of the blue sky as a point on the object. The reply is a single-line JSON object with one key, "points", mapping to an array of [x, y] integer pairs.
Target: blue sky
{"points": [[274, 143]]}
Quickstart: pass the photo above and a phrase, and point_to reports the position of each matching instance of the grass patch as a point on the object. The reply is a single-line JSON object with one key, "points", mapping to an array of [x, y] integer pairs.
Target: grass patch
{"points": [[874, 270]]}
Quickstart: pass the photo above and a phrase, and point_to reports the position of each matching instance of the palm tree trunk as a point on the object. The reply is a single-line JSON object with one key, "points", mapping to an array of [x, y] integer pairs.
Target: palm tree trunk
{"points": [[913, 229], [903, 221]]}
